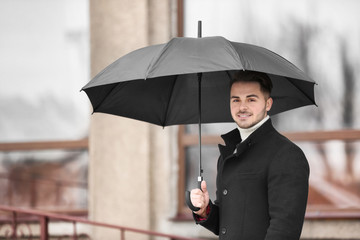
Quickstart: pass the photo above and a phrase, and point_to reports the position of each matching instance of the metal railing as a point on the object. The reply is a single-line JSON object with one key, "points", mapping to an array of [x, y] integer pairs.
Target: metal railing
{"points": [[44, 218], [16, 223]]}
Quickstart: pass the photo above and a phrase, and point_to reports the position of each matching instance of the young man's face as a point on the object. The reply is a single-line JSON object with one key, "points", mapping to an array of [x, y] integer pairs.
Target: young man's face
{"points": [[248, 104]]}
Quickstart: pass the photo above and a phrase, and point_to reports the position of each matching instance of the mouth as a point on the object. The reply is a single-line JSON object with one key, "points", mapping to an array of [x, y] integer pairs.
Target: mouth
{"points": [[243, 116]]}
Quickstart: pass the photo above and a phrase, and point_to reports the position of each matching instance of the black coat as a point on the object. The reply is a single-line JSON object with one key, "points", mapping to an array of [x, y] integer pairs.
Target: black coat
{"points": [[262, 189]]}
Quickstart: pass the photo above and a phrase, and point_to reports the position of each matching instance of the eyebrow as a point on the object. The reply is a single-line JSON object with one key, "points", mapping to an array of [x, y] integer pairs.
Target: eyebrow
{"points": [[252, 95], [248, 96]]}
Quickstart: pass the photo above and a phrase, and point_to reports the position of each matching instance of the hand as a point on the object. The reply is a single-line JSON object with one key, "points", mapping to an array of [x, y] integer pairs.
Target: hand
{"points": [[200, 199]]}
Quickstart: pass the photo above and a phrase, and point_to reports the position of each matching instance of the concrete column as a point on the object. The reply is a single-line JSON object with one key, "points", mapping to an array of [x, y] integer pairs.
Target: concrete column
{"points": [[119, 147], [125, 155]]}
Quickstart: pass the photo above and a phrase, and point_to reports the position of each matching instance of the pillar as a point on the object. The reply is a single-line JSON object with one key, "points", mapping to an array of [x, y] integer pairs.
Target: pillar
{"points": [[121, 150]]}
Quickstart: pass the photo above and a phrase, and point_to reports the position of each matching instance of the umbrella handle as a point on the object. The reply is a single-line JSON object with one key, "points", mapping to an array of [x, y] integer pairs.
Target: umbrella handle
{"points": [[189, 203], [188, 199]]}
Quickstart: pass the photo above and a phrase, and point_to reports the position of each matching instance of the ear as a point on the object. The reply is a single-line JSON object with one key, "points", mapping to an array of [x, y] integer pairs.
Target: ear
{"points": [[269, 103]]}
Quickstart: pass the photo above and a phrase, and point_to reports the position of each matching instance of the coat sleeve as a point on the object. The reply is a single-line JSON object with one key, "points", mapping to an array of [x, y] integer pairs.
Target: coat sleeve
{"points": [[287, 193], [212, 221]]}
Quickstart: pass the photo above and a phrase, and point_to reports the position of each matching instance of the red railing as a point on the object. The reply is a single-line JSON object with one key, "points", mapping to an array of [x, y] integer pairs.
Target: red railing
{"points": [[17, 217]]}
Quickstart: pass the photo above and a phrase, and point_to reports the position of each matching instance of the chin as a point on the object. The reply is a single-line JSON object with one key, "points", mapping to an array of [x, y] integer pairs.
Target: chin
{"points": [[245, 125]]}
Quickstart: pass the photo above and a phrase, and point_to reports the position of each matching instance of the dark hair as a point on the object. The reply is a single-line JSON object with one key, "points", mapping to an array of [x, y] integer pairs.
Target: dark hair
{"points": [[251, 76]]}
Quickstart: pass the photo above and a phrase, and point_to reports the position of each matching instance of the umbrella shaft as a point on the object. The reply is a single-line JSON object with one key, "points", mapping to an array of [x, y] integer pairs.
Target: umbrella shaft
{"points": [[200, 178], [199, 102]]}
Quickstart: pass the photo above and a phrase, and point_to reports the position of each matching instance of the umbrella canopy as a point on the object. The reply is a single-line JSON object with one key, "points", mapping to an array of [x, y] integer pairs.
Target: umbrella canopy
{"points": [[159, 84]]}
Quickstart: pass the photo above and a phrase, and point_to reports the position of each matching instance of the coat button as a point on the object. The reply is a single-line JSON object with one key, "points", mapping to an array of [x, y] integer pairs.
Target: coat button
{"points": [[223, 231], [225, 192]]}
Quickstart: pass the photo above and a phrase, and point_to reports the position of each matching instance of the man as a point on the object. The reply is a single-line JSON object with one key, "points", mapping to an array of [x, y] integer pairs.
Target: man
{"points": [[262, 177]]}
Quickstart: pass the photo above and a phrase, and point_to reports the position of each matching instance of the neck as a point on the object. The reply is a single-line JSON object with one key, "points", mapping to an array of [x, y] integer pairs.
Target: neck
{"points": [[246, 132]]}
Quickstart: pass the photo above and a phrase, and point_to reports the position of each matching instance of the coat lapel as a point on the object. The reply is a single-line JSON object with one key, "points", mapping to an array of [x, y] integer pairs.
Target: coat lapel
{"points": [[231, 140]]}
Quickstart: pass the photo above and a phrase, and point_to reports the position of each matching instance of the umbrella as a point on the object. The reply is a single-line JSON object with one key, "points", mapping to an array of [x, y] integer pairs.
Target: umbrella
{"points": [[186, 81]]}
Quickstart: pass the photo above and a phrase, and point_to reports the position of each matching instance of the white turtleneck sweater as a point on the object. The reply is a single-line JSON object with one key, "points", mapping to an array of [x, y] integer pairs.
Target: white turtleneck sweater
{"points": [[245, 132]]}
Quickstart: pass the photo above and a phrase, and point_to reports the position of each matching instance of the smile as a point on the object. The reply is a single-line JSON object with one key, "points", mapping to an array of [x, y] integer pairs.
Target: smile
{"points": [[244, 115]]}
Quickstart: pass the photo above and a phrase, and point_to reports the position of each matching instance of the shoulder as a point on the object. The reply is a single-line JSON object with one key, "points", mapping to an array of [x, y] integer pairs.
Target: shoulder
{"points": [[287, 154]]}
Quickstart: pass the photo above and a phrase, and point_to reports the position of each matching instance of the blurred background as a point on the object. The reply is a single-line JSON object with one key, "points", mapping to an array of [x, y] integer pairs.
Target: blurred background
{"points": [[56, 156], [44, 61]]}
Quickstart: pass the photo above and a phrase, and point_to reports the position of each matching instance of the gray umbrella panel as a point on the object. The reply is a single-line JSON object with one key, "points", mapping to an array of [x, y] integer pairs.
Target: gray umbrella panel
{"points": [[193, 55]]}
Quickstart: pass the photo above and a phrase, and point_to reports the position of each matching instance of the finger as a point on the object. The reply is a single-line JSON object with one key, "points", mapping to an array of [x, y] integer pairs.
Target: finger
{"points": [[199, 203], [196, 196], [203, 186], [196, 192]]}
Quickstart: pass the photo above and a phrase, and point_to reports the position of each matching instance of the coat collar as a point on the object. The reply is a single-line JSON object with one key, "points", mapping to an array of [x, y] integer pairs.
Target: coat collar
{"points": [[232, 139]]}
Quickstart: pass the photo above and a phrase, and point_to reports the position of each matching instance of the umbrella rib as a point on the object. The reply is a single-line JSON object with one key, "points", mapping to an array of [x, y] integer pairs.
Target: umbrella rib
{"points": [[240, 58], [168, 102], [155, 59], [302, 91], [107, 95], [229, 75]]}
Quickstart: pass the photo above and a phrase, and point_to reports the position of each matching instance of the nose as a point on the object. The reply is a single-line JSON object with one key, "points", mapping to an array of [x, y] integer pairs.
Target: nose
{"points": [[243, 106]]}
